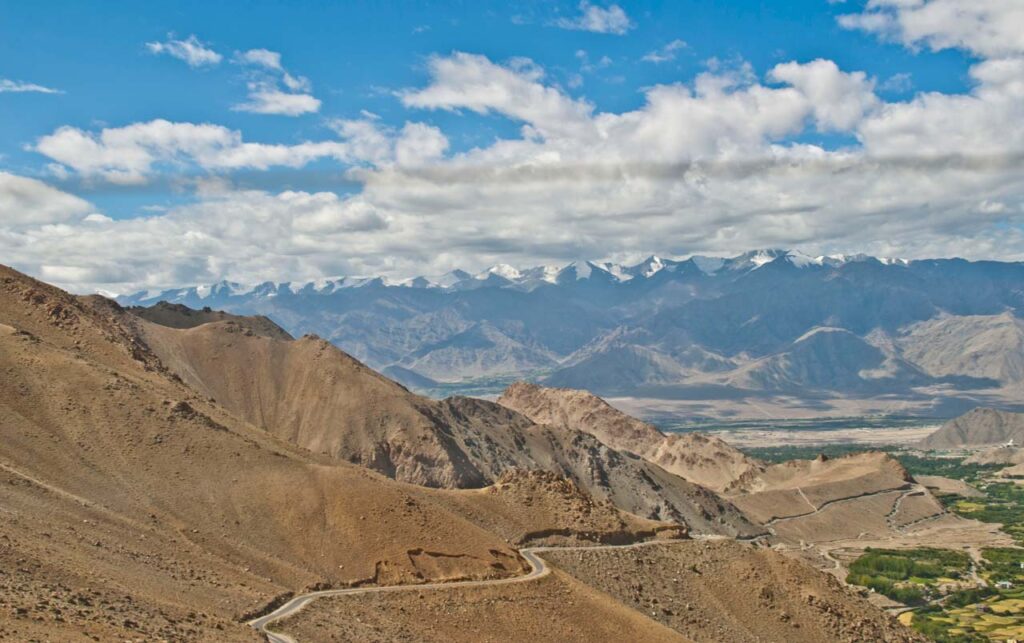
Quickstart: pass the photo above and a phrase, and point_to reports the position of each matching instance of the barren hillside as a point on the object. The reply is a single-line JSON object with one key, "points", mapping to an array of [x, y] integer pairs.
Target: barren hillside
{"points": [[310, 393], [727, 591], [856, 496], [136, 508], [699, 458]]}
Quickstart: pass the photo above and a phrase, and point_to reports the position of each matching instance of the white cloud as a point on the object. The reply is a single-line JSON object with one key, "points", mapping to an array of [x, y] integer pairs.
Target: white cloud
{"points": [[272, 89], [191, 50], [244, 234], [984, 122], [704, 166], [596, 19], [988, 28], [419, 144], [26, 201], [467, 81], [666, 53], [134, 153], [268, 100], [838, 100], [18, 87], [130, 154], [261, 57]]}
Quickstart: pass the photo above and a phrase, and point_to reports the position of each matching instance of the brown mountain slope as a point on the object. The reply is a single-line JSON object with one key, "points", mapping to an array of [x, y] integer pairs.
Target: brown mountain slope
{"points": [[178, 316], [699, 458], [977, 428], [982, 346], [312, 394], [707, 591], [134, 508], [855, 496], [541, 508], [728, 591]]}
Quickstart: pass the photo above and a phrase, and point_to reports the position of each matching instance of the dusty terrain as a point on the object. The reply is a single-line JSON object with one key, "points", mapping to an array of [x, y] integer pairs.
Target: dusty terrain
{"points": [[540, 508], [713, 403], [727, 591], [134, 508], [800, 489], [178, 316], [866, 437], [310, 393], [699, 458], [644, 592], [553, 609], [941, 485], [853, 501]]}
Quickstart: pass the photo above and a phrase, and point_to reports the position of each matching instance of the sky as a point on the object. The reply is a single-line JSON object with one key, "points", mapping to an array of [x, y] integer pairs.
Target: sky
{"points": [[149, 145]]}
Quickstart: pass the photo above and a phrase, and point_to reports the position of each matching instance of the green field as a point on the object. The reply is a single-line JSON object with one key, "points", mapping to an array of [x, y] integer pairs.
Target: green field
{"points": [[981, 614], [960, 611], [1003, 503], [909, 576], [937, 582]]}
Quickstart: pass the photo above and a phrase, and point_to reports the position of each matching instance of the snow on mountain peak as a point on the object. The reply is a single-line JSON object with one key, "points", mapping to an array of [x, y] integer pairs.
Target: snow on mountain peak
{"points": [[582, 269], [708, 265], [648, 267], [502, 270], [801, 260], [503, 275]]}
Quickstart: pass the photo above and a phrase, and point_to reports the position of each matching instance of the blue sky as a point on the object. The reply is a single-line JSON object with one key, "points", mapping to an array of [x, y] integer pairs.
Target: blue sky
{"points": [[358, 58], [356, 53]]}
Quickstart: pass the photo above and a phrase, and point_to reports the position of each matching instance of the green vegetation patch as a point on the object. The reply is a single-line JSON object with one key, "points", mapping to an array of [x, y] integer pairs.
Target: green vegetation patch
{"points": [[908, 575], [1003, 503], [994, 612], [945, 467]]}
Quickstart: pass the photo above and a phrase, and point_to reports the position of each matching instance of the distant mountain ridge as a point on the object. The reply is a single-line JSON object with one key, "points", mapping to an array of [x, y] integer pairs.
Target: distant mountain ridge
{"points": [[925, 337], [506, 276]]}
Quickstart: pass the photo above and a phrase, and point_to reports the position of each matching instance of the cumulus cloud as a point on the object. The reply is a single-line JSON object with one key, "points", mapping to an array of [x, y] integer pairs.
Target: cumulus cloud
{"points": [[244, 234], [133, 153], [988, 28], [25, 201], [19, 87], [713, 165], [191, 50], [611, 19], [473, 82], [837, 99], [272, 89]]}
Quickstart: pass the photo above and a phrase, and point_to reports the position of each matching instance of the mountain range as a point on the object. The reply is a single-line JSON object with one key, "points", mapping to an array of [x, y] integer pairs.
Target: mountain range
{"points": [[705, 335]]}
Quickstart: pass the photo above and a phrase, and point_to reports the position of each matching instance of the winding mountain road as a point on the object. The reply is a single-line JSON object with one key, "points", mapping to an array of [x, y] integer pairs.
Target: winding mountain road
{"points": [[538, 569], [833, 501]]}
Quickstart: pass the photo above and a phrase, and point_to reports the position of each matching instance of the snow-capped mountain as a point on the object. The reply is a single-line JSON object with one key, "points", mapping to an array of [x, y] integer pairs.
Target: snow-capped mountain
{"points": [[507, 276], [663, 325]]}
